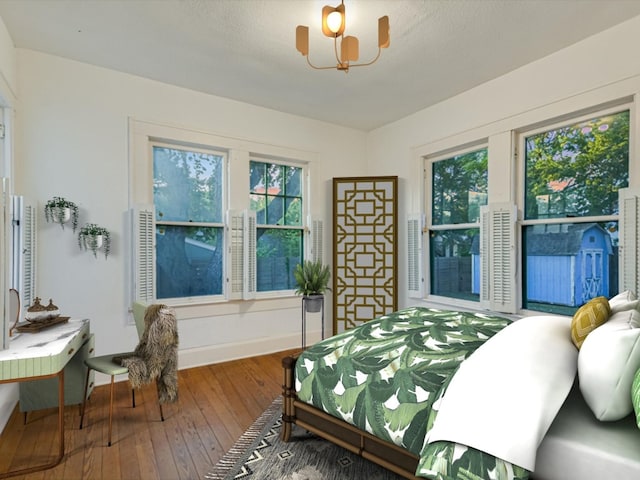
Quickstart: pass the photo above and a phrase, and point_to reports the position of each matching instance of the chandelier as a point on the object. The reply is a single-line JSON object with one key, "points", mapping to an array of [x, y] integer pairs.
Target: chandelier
{"points": [[333, 24]]}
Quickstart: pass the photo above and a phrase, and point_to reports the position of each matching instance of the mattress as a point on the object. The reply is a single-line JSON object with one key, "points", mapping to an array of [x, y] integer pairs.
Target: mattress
{"points": [[578, 446]]}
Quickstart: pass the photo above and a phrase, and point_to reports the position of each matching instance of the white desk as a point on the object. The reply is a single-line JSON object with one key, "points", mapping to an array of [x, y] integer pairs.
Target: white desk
{"points": [[35, 356]]}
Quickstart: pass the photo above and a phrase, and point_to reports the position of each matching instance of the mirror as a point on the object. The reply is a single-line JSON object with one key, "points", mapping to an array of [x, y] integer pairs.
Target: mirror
{"points": [[14, 309]]}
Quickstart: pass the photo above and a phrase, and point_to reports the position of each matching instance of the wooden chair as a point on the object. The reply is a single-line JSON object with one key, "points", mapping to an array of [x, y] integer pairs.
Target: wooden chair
{"points": [[106, 365]]}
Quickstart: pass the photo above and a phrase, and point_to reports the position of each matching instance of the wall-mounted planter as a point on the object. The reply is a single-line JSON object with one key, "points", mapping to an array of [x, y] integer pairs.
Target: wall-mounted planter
{"points": [[93, 238], [60, 210]]}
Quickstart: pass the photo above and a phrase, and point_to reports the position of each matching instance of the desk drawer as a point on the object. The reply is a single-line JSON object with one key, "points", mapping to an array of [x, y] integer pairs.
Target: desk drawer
{"points": [[40, 394]]}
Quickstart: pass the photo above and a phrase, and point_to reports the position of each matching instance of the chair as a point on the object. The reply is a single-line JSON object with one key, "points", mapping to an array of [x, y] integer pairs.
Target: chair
{"points": [[145, 319]]}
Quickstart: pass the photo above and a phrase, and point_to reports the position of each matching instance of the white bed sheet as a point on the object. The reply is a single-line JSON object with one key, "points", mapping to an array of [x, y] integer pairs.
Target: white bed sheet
{"points": [[504, 397], [578, 446]]}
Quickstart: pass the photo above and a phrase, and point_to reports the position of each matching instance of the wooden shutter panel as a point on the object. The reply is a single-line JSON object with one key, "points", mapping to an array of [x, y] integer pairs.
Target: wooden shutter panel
{"points": [[414, 256], [317, 243], [235, 257], [144, 229], [249, 284], [498, 268], [23, 249], [241, 260], [485, 258], [4, 257], [629, 246]]}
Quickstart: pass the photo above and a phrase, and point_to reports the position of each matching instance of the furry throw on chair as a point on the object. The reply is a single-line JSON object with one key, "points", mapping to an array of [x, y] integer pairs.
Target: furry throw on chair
{"points": [[156, 356]]}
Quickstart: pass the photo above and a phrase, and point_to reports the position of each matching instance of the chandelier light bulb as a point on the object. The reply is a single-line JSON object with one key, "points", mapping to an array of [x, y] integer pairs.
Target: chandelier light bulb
{"points": [[334, 21]]}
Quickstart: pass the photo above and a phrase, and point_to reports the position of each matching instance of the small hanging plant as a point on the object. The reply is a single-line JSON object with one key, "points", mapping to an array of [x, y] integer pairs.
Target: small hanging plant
{"points": [[93, 237], [60, 210]]}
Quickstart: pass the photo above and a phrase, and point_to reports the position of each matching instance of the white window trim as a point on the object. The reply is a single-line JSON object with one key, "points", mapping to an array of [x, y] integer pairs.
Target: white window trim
{"points": [[522, 133], [616, 96], [428, 159], [142, 133]]}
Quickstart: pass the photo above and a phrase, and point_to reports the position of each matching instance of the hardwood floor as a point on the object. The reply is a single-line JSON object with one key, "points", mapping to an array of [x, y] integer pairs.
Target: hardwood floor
{"points": [[216, 405]]}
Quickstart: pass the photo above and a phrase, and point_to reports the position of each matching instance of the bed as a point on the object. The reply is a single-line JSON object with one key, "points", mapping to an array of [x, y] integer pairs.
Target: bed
{"points": [[429, 393]]}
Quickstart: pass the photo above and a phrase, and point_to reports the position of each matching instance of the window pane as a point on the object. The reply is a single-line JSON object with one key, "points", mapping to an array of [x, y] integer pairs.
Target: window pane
{"points": [[275, 193], [257, 177], [293, 212], [294, 179], [455, 263], [459, 188], [187, 186], [189, 261], [567, 264], [275, 210], [577, 170], [278, 252]]}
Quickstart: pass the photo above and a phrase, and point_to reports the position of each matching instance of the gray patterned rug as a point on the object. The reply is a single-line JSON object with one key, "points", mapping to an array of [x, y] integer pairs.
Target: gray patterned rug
{"points": [[260, 455]]}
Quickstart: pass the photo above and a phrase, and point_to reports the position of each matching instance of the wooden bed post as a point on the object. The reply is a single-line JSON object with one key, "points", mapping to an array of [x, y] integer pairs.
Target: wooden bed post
{"points": [[288, 394]]}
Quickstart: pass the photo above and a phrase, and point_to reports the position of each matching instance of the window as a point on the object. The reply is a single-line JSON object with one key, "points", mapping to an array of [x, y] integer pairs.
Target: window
{"points": [[215, 217], [275, 193], [189, 212], [458, 190], [572, 174]]}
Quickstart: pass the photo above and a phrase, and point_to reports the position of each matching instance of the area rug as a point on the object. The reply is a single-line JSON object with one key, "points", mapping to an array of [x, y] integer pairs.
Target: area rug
{"points": [[259, 454]]}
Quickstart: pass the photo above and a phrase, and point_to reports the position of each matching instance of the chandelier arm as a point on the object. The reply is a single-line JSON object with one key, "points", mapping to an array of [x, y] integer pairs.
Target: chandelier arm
{"points": [[332, 67], [369, 63]]}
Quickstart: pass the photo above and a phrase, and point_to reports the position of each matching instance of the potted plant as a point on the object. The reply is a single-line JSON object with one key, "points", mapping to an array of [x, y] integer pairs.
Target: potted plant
{"points": [[93, 237], [312, 279], [61, 210]]}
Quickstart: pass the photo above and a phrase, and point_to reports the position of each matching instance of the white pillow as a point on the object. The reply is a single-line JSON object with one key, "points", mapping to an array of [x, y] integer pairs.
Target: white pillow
{"points": [[626, 300], [607, 362]]}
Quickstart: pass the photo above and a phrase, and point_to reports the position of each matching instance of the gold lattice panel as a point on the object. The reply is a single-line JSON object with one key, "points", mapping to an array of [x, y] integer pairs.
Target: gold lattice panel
{"points": [[365, 239]]}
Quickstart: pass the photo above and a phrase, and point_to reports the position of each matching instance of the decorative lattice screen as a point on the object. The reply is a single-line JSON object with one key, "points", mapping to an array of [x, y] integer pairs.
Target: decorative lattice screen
{"points": [[365, 239]]}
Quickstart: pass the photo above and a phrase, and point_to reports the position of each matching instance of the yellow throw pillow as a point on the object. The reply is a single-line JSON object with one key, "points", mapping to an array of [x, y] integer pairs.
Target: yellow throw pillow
{"points": [[589, 317]]}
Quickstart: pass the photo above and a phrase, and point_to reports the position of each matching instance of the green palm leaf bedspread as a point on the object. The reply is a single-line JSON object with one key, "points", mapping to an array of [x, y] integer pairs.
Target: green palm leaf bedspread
{"points": [[387, 376]]}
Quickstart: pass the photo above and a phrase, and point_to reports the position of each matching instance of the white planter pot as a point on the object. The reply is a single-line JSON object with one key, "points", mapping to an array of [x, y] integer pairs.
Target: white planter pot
{"points": [[93, 242], [61, 214]]}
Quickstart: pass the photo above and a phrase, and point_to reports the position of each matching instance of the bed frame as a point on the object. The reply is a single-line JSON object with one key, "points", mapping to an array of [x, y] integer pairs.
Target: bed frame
{"points": [[295, 412]]}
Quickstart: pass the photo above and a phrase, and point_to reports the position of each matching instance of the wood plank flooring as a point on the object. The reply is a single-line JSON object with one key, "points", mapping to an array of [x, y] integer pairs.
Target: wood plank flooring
{"points": [[217, 403]]}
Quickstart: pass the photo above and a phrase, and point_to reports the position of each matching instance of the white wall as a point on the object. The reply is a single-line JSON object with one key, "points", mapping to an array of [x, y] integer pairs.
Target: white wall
{"points": [[72, 129], [599, 69], [8, 81], [72, 141]]}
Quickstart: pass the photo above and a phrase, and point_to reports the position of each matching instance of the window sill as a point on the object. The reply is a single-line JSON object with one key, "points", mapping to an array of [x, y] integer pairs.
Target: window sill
{"points": [[186, 311]]}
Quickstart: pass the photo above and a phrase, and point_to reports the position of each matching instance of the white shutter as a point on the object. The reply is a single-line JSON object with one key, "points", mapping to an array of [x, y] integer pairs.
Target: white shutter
{"points": [[4, 257], [235, 256], [317, 244], [498, 268], [144, 230], [629, 246], [485, 258], [241, 258], [249, 284], [23, 249], [414, 256]]}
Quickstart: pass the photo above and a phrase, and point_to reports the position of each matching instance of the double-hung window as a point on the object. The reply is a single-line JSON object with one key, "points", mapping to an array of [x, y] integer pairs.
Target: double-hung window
{"points": [[458, 190], [189, 209], [216, 219], [276, 197], [572, 172]]}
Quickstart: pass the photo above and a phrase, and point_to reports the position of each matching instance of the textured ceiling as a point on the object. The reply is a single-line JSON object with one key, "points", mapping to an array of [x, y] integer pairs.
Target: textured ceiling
{"points": [[245, 49]]}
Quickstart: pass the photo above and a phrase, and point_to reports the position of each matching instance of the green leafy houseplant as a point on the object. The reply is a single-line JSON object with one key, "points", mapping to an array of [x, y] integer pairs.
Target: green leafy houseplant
{"points": [[312, 278], [93, 237], [61, 210]]}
